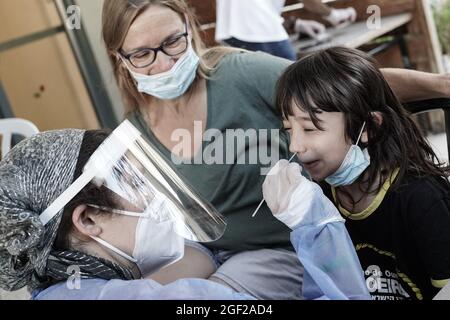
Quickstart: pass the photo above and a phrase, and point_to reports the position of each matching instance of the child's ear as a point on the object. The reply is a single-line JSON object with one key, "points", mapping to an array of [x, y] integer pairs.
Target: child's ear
{"points": [[378, 119], [85, 222]]}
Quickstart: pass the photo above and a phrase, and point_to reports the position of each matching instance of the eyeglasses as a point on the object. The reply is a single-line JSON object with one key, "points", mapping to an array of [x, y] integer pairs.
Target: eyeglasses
{"points": [[174, 46]]}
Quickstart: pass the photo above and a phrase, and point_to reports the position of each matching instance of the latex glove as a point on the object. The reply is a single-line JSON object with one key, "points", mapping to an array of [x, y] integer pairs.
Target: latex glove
{"points": [[294, 200], [309, 27], [279, 185], [341, 16]]}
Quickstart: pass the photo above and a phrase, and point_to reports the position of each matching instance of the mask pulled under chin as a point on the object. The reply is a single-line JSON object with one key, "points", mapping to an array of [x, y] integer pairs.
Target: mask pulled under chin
{"points": [[354, 164]]}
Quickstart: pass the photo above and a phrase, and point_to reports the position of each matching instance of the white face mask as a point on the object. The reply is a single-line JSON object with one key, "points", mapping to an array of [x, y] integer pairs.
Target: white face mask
{"points": [[156, 243], [171, 84]]}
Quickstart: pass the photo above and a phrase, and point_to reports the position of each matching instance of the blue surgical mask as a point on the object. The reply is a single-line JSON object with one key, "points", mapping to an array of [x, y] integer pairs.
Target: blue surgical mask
{"points": [[354, 164], [171, 84]]}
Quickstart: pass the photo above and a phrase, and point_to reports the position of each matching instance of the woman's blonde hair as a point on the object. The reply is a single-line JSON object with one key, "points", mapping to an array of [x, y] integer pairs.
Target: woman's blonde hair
{"points": [[118, 15]]}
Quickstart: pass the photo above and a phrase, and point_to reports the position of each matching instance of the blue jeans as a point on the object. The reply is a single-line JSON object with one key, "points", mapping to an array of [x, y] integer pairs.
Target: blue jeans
{"points": [[282, 49]]}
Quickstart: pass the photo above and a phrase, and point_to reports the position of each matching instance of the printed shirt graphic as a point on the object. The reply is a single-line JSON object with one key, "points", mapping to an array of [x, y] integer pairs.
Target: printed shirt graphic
{"points": [[402, 238], [383, 281]]}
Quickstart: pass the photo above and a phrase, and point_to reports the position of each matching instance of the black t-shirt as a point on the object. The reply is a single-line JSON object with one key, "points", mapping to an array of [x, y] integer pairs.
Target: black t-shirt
{"points": [[403, 239]]}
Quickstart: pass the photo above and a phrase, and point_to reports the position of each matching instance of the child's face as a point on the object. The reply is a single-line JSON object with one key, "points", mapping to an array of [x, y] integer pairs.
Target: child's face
{"points": [[321, 152]]}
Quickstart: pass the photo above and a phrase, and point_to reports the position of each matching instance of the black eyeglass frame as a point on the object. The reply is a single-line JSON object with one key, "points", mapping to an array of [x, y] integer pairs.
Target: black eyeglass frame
{"points": [[156, 50]]}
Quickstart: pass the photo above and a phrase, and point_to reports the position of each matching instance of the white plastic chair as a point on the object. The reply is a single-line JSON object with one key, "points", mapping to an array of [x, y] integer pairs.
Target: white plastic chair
{"points": [[10, 127]]}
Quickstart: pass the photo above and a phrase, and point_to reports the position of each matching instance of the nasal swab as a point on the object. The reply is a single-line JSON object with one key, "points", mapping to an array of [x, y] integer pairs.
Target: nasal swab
{"points": [[262, 201]]}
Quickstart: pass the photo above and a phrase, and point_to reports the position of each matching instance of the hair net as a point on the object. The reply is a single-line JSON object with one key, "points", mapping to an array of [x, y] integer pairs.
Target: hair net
{"points": [[32, 176]]}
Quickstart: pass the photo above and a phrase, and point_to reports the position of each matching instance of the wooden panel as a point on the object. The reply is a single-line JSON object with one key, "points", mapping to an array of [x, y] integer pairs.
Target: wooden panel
{"points": [[204, 9], [423, 44], [388, 7], [358, 34], [391, 58], [209, 37], [424, 50], [44, 85], [42, 80], [21, 17]]}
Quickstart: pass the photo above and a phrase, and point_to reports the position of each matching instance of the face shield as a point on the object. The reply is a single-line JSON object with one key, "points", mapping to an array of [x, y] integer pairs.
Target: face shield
{"points": [[140, 182]]}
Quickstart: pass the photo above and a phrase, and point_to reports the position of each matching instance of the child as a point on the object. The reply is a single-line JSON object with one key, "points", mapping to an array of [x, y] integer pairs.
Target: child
{"points": [[349, 129]]}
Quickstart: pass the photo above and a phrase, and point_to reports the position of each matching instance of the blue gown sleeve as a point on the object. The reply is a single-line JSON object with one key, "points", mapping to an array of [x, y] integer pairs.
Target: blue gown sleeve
{"points": [[332, 268], [99, 289]]}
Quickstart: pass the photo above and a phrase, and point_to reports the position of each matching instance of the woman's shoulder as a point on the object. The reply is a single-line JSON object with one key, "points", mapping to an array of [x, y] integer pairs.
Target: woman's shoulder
{"points": [[250, 63], [245, 56]]}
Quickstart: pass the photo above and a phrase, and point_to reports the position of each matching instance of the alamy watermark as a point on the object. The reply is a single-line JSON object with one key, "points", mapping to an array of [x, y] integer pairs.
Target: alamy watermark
{"points": [[231, 146], [74, 280], [73, 21], [374, 21]]}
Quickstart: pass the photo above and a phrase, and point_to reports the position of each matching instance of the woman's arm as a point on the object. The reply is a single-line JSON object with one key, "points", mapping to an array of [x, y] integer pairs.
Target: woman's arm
{"points": [[410, 85]]}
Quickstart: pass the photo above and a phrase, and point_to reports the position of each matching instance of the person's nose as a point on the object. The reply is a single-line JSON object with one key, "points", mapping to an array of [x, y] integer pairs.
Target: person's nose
{"points": [[162, 63], [297, 144]]}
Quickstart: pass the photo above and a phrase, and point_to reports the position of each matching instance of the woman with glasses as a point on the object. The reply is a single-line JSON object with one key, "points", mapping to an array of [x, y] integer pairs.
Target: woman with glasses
{"points": [[173, 88]]}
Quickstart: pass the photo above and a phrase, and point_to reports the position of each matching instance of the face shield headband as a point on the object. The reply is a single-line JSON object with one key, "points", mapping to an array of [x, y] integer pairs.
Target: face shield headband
{"points": [[141, 183]]}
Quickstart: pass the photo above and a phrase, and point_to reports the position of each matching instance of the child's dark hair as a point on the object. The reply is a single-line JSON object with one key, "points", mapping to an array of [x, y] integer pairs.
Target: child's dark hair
{"points": [[349, 81]]}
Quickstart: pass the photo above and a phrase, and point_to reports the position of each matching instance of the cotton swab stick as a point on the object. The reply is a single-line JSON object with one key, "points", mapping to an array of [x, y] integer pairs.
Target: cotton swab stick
{"points": [[262, 201]]}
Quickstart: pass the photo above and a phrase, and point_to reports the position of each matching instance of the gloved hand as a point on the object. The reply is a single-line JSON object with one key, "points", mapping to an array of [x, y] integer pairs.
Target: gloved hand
{"points": [[309, 27], [294, 200], [341, 16]]}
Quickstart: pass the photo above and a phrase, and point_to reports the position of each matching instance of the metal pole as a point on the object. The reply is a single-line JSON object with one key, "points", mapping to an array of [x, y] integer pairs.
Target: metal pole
{"points": [[89, 69], [5, 107]]}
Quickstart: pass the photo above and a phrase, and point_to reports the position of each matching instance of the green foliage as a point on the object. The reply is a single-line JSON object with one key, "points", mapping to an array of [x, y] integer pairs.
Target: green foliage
{"points": [[442, 19]]}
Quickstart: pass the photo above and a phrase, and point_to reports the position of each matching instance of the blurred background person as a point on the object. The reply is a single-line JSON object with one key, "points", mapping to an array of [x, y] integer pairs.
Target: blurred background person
{"points": [[257, 25]]}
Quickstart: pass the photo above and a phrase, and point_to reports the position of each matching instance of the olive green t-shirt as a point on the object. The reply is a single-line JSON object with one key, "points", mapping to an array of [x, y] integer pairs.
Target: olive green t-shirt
{"points": [[240, 95]]}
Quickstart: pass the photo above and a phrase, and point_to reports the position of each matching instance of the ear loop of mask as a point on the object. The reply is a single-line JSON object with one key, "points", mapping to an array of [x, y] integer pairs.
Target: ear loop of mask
{"points": [[125, 213], [114, 249], [108, 245], [360, 134], [353, 146]]}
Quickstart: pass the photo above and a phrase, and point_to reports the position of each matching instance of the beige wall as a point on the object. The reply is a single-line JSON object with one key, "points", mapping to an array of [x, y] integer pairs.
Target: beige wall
{"points": [[42, 79]]}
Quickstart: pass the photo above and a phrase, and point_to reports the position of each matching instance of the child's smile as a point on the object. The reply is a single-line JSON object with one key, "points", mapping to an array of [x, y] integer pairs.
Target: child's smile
{"points": [[320, 151], [311, 166]]}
